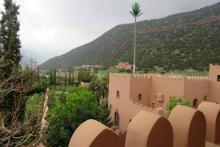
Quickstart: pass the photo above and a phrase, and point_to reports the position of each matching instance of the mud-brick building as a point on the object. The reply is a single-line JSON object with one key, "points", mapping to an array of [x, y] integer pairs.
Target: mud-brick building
{"points": [[129, 94]]}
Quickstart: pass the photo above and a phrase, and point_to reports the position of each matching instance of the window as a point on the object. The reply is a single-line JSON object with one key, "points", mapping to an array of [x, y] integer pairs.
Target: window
{"points": [[117, 94], [195, 103], [116, 118], [139, 97], [205, 97], [218, 78]]}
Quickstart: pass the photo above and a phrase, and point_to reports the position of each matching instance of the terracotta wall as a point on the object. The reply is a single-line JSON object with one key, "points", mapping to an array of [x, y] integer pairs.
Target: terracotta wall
{"points": [[121, 83], [214, 88], [196, 88], [127, 108], [140, 89], [166, 86]]}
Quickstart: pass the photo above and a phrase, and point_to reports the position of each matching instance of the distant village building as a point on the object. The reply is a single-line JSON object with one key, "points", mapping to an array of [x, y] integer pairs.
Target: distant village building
{"points": [[92, 66], [129, 94], [124, 65]]}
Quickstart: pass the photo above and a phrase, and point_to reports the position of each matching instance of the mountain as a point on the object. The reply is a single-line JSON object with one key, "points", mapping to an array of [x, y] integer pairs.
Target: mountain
{"points": [[180, 41]]}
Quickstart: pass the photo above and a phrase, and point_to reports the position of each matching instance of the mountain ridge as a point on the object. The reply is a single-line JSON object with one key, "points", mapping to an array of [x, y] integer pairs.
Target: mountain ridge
{"points": [[156, 39]]}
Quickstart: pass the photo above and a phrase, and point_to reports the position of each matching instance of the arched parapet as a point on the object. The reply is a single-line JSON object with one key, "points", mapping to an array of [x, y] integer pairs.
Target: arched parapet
{"points": [[149, 130], [189, 127], [94, 134], [212, 115]]}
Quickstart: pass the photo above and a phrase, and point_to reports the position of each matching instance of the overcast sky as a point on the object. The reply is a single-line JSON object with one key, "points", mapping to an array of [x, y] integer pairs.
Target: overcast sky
{"points": [[53, 27]]}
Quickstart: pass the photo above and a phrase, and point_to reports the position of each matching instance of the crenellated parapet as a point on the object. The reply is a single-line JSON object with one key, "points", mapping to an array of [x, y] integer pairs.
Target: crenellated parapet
{"points": [[160, 76], [167, 77], [141, 76], [199, 78], [119, 75], [214, 66]]}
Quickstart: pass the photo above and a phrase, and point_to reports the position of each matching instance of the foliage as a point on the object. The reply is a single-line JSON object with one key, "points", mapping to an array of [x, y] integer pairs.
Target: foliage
{"points": [[9, 53], [136, 11], [99, 86], [64, 118], [181, 41], [70, 77], [9, 37], [174, 100], [56, 95], [37, 87], [189, 72], [84, 75], [33, 107], [15, 130], [53, 77]]}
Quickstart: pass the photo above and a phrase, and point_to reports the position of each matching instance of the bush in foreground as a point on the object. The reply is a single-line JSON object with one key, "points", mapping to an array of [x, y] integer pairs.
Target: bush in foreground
{"points": [[80, 106], [174, 100]]}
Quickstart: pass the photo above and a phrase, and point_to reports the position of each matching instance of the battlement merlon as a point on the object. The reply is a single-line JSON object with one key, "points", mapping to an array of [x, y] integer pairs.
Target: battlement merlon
{"points": [[158, 76], [214, 66]]}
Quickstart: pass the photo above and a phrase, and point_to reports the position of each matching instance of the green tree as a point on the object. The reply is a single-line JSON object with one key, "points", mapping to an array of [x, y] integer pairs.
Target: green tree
{"points": [[99, 86], [174, 100], [15, 130], [34, 107], [9, 38], [80, 106], [10, 53], [70, 76], [37, 87], [50, 77], [135, 12], [84, 75], [54, 76]]}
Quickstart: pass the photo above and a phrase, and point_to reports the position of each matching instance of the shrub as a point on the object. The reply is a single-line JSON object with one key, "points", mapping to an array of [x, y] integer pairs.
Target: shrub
{"points": [[84, 75], [37, 87], [64, 118], [174, 100], [33, 107]]}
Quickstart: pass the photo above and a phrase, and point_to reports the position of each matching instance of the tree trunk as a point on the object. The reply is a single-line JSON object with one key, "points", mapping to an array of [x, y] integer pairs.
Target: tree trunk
{"points": [[135, 33]]}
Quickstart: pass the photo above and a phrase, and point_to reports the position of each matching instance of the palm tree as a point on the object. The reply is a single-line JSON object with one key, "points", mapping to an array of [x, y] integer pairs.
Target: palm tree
{"points": [[135, 12]]}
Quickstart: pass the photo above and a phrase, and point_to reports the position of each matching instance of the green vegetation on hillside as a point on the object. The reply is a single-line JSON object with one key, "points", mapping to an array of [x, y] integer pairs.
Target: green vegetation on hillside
{"points": [[181, 41]]}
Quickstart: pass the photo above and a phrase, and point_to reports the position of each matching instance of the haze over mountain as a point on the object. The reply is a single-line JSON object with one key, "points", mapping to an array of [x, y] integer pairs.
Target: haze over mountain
{"points": [[180, 41], [28, 56]]}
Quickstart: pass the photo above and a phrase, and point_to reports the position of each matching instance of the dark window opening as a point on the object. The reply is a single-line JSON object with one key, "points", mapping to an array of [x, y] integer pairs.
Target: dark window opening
{"points": [[195, 103], [205, 97], [218, 78], [117, 94], [139, 97], [116, 119]]}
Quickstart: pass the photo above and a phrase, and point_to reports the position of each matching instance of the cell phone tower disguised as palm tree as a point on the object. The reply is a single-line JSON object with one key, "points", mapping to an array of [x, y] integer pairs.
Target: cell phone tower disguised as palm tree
{"points": [[135, 12]]}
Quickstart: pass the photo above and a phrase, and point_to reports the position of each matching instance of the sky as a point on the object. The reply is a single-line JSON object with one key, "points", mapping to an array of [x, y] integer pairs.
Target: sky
{"points": [[53, 27]]}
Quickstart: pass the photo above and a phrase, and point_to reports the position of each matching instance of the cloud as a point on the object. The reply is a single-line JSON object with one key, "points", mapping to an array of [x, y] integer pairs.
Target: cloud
{"points": [[53, 27]]}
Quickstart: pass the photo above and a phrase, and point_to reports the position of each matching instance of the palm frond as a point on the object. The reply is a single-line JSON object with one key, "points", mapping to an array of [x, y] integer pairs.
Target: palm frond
{"points": [[132, 13], [136, 10]]}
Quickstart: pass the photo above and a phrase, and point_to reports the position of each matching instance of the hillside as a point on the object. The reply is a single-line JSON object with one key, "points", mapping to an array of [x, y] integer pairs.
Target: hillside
{"points": [[180, 41]]}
